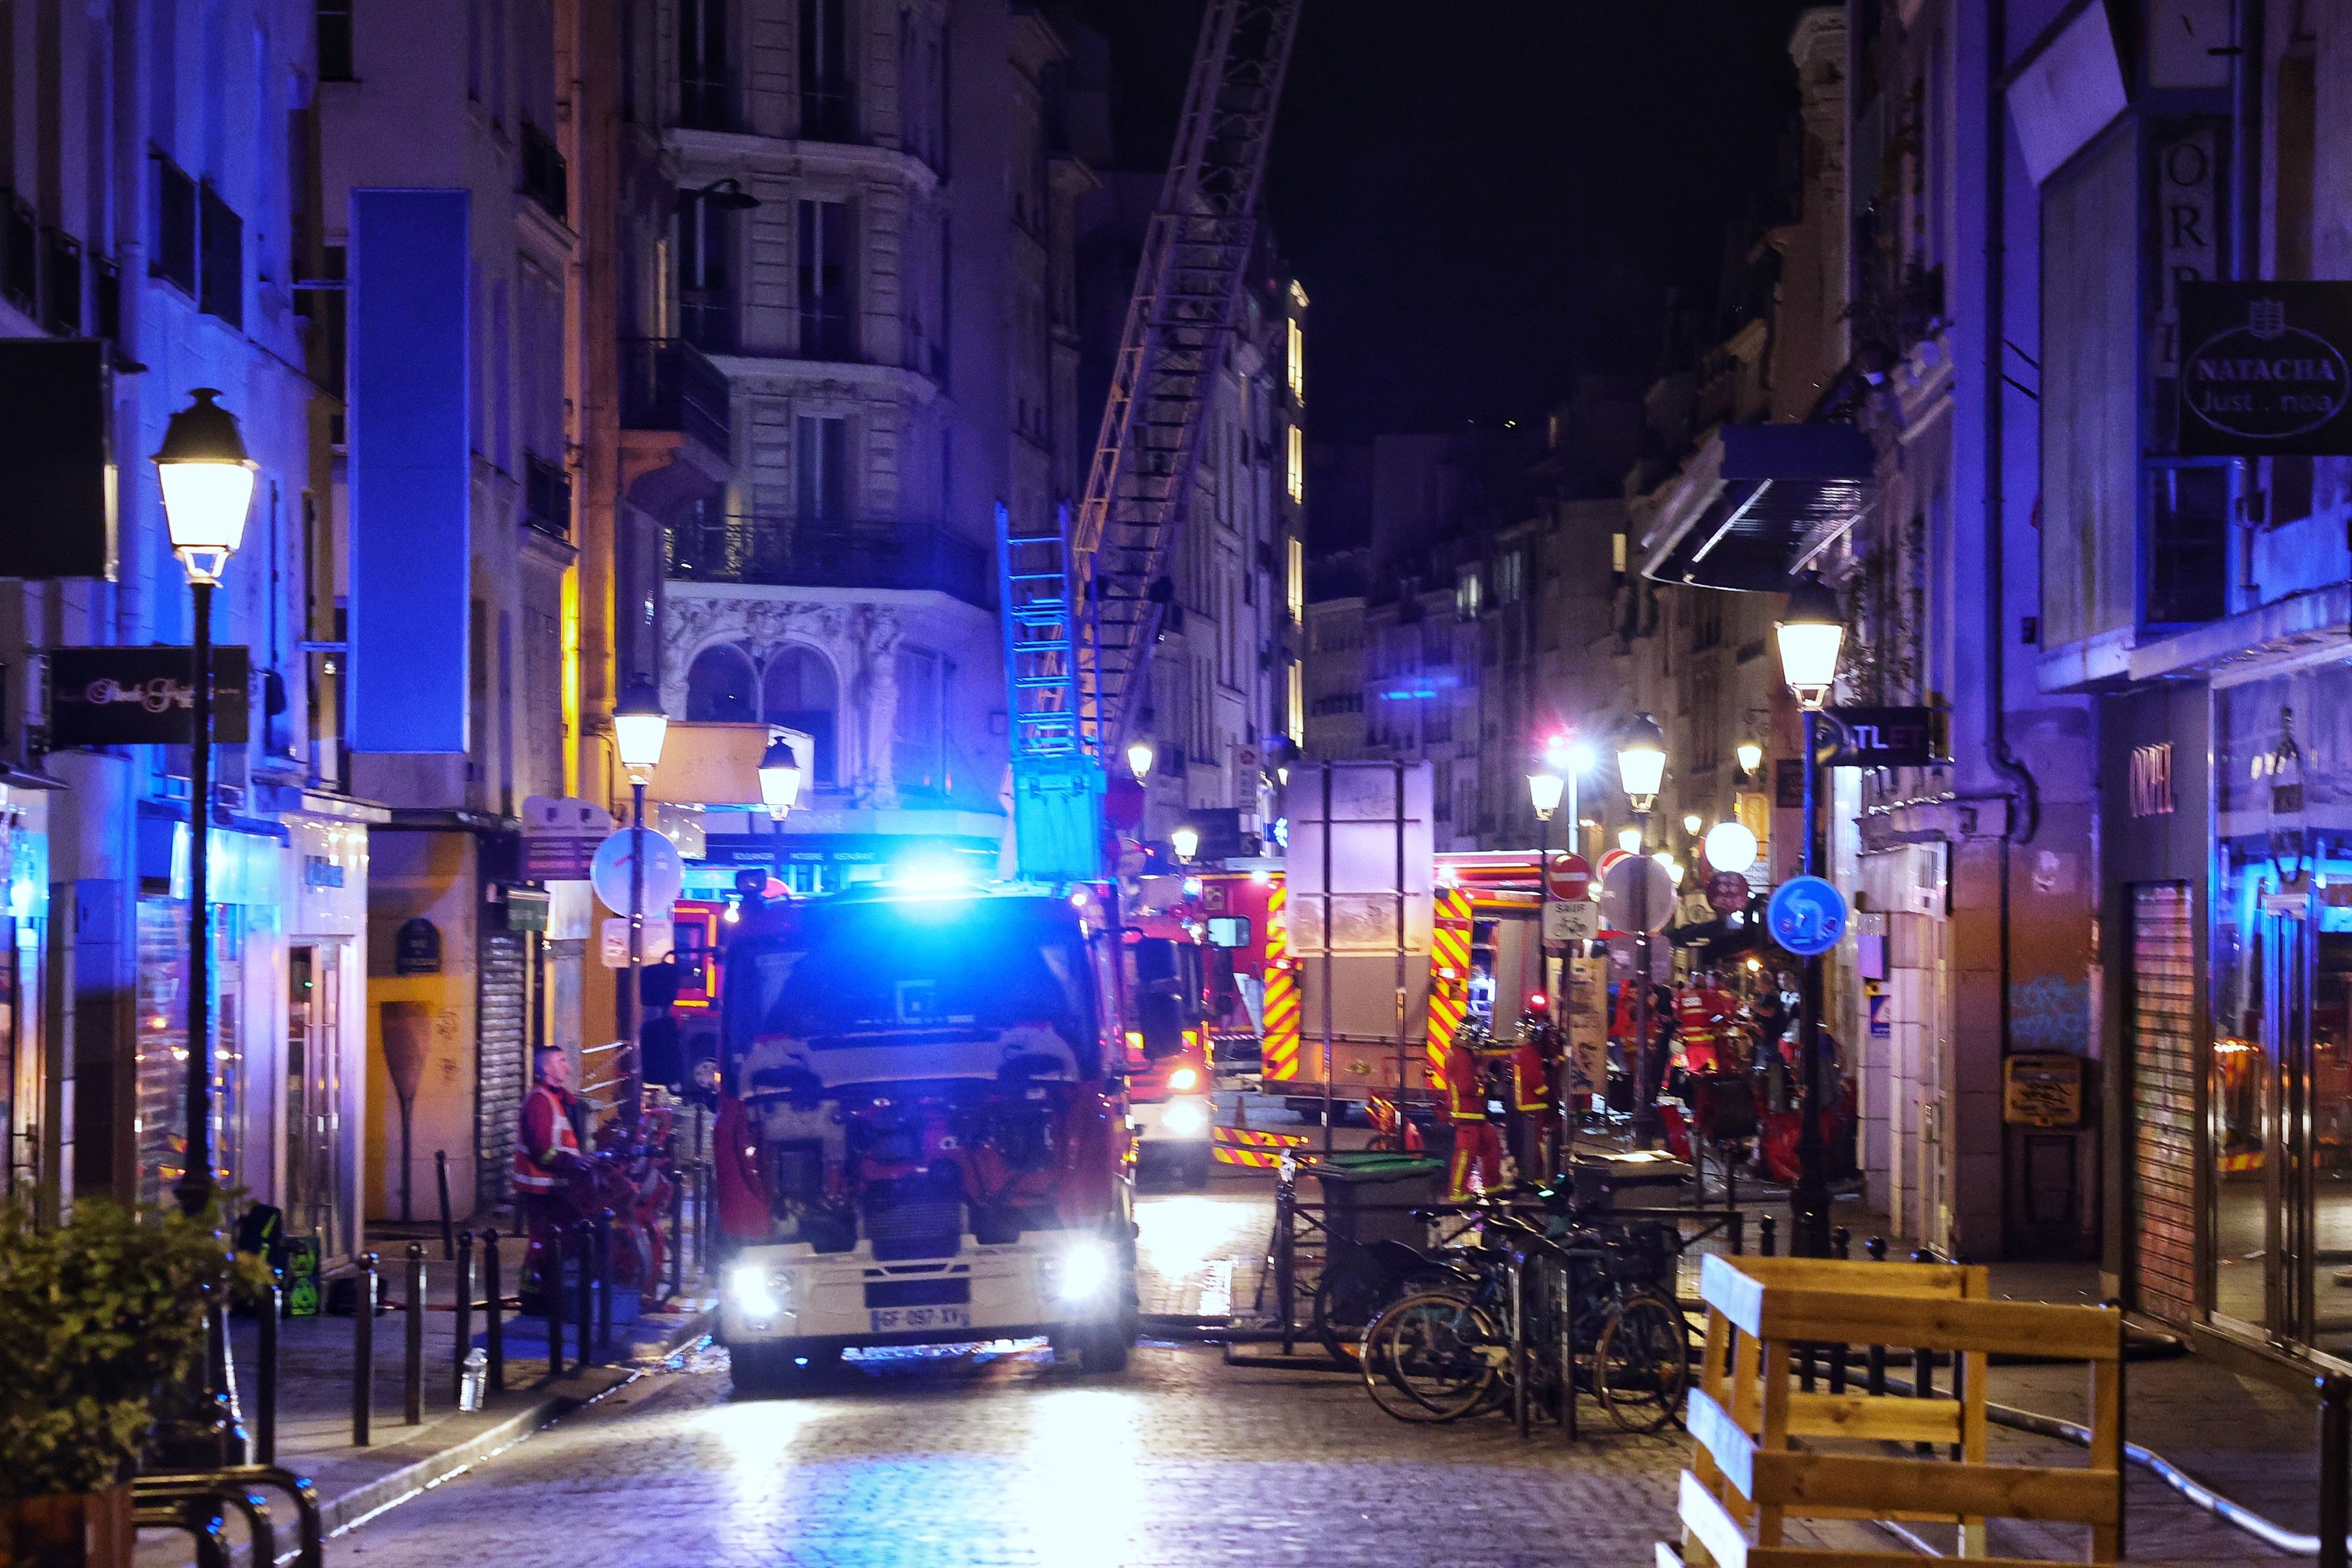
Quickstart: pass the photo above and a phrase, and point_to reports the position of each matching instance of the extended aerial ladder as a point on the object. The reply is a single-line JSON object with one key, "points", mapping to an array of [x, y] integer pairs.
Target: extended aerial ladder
{"points": [[1074, 683]]}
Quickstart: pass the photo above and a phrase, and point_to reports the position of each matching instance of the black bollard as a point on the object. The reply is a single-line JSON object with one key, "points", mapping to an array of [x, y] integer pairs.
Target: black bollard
{"points": [[2335, 1486], [363, 1352], [265, 1430], [412, 1371], [1876, 1248], [676, 1231], [494, 1323], [464, 1295], [1768, 1230], [604, 1284], [441, 1177], [550, 1295], [1841, 1248], [584, 1236]]}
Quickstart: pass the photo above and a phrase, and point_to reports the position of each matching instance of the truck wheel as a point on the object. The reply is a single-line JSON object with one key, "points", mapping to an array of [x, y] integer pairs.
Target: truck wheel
{"points": [[1103, 1348], [758, 1370], [1196, 1172]]}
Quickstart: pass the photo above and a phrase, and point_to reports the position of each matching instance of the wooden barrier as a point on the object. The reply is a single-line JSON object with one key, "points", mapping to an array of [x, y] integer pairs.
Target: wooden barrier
{"points": [[1753, 1468]]}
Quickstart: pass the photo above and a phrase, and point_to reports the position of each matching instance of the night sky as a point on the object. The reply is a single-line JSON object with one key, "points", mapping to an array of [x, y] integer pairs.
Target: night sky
{"points": [[1485, 197]]}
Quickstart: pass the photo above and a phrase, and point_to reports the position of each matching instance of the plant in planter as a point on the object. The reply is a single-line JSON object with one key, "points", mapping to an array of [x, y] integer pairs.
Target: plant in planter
{"points": [[103, 1318]]}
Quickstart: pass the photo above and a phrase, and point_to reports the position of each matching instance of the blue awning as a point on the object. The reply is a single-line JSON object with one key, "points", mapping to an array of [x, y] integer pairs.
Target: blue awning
{"points": [[1758, 502]]}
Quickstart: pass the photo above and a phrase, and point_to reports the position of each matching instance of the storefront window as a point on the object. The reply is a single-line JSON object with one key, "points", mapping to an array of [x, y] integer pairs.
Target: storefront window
{"points": [[163, 1048]]}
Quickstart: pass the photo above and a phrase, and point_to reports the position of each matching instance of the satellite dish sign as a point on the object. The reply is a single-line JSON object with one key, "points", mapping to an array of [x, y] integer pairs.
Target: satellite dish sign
{"points": [[664, 875], [1807, 915], [1636, 895]]}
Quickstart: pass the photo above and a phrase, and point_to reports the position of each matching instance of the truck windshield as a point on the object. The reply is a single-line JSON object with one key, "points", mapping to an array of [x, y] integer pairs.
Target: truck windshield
{"points": [[859, 973]]}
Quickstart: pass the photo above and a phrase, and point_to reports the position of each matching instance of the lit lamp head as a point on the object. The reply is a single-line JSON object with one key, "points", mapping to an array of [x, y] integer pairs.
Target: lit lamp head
{"points": [[1139, 757], [1629, 840], [639, 726], [780, 779], [1810, 633], [1544, 790], [1693, 822], [1730, 847], [1642, 762], [207, 482], [1185, 839], [1751, 756]]}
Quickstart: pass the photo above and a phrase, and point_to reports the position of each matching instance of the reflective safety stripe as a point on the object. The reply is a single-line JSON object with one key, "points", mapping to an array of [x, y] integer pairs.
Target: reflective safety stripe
{"points": [[1449, 977], [534, 1168], [1279, 1040]]}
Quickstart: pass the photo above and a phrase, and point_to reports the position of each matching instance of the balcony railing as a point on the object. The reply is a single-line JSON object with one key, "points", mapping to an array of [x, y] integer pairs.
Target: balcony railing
{"points": [[666, 384], [788, 552]]}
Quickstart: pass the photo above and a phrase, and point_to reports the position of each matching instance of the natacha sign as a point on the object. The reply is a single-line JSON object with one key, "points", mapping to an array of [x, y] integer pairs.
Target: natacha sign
{"points": [[143, 696], [2265, 368]]}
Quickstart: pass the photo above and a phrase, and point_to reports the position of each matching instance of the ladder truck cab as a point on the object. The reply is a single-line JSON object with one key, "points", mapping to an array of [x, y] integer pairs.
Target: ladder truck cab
{"points": [[922, 1136], [1163, 979]]}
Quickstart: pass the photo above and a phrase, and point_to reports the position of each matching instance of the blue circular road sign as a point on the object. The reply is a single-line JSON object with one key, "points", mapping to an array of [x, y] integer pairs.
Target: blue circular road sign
{"points": [[1807, 915]]}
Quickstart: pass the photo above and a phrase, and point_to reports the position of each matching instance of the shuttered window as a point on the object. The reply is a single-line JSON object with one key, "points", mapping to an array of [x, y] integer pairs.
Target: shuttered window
{"points": [[2163, 1018], [499, 1091]]}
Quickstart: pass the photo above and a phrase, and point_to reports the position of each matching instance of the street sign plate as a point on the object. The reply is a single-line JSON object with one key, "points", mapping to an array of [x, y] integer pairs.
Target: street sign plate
{"points": [[1807, 915], [1571, 920], [1879, 737], [1727, 890], [1637, 895], [664, 877], [1568, 876], [560, 838], [660, 941]]}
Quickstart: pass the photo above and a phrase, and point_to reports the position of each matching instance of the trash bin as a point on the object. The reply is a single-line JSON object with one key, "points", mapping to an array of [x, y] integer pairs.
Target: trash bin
{"points": [[1368, 1196], [1652, 1179]]}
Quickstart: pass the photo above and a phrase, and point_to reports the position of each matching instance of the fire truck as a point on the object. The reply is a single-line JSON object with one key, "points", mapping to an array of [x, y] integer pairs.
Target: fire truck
{"points": [[922, 1131]]}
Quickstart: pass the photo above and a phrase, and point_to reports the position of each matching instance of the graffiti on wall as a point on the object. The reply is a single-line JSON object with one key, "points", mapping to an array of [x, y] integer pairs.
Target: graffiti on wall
{"points": [[2050, 1012]]}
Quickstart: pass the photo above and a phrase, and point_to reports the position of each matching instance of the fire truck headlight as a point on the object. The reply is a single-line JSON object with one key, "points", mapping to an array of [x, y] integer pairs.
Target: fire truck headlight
{"points": [[1087, 1270], [1183, 1080], [756, 1295], [1184, 1118]]}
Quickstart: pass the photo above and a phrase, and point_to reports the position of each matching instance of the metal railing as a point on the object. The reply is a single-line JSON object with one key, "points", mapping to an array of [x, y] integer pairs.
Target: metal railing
{"points": [[667, 383], [811, 553]]}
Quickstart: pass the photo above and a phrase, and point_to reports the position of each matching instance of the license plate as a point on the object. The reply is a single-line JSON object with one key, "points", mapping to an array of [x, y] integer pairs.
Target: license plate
{"points": [[918, 1320]]}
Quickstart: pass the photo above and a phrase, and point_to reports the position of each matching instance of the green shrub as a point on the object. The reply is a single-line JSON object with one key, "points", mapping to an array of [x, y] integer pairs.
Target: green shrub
{"points": [[100, 1319]]}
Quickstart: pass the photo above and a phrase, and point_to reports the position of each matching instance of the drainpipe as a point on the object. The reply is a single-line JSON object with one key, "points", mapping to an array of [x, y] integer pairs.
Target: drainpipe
{"points": [[2245, 225], [2028, 794]]}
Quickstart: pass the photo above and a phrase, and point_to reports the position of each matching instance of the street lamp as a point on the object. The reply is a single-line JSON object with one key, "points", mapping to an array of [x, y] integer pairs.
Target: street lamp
{"points": [[1693, 822], [1810, 634], [207, 482], [1751, 757], [1543, 793], [1642, 770], [1629, 840], [1185, 839], [780, 779], [639, 727], [1139, 757]]}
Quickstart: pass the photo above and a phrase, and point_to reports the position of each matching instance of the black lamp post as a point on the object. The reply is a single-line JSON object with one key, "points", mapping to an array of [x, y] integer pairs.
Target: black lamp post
{"points": [[639, 726], [1810, 634], [1641, 771], [207, 482]]}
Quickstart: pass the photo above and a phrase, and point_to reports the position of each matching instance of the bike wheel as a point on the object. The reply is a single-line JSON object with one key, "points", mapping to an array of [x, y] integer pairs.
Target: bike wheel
{"points": [[1641, 1365], [1432, 1357]]}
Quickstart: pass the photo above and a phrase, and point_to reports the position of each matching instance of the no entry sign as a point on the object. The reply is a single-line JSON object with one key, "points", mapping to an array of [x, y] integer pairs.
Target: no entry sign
{"points": [[1568, 877]]}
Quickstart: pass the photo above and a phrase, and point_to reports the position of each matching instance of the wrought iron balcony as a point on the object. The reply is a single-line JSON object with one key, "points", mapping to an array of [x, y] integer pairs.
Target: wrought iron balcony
{"points": [[666, 384], [811, 553]]}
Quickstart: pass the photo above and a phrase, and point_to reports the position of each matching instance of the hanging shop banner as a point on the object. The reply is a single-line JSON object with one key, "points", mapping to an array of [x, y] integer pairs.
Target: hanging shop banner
{"points": [[143, 696], [2266, 369], [1881, 737]]}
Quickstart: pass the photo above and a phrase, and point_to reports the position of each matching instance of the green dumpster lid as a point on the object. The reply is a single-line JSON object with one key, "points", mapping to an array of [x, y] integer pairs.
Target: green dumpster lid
{"points": [[1372, 1165]]}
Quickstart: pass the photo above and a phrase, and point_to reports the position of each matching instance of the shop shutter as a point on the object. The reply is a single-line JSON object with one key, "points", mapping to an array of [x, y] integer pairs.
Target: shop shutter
{"points": [[2163, 1016], [498, 1102]]}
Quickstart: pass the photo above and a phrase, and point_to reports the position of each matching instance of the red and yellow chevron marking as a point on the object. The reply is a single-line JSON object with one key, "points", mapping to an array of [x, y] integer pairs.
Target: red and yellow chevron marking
{"points": [[1279, 1039], [1258, 1150], [1255, 1159], [1449, 977]]}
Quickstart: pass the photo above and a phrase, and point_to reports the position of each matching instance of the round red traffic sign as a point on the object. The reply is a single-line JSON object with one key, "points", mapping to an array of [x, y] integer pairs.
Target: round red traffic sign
{"points": [[1612, 858], [1568, 877], [1727, 890]]}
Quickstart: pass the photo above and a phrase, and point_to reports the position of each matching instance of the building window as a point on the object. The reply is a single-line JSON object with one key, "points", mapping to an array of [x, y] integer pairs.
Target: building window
{"points": [[334, 20], [1298, 463], [704, 84], [826, 326], [1510, 577], [915, 754], [1298, 358], [175, 225], [222, 289], [825, 71], [1293, 703], [1465, 596], [820, 467], [718, 687], [1295, 580], [706, 290], [798, 692]]}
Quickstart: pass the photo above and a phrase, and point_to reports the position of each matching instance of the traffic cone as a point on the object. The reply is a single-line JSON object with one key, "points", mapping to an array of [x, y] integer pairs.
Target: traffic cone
{"points": [[1241, 1110]]}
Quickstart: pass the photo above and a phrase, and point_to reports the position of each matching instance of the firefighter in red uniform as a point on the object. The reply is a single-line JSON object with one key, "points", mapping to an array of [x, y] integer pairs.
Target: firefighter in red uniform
{"points": [[547, 1156], [1531, 1087], [1475, 1140]]}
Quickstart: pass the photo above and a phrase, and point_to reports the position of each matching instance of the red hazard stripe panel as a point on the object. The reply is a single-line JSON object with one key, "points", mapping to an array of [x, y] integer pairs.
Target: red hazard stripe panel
{"points": [[1279, 1061], [1250, 1138]]}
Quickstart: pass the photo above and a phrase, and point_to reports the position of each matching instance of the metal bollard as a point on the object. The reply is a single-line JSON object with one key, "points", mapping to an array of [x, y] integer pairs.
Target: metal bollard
{"points": [[1519, 1287], [494, 1323], [465, 1317], [677, 1229], [265, 1429], [441, 1179], [585, 1298], [1286, 1265], [1876, 1248], [605, 1283], [551, 1296], [412, 1371], [364, 1354], [1566, 1348], [1768, 1229], [2335, 1485]]}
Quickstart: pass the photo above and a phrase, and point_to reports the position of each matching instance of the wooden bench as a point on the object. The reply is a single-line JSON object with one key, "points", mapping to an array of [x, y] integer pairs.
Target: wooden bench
{"points": [[1743, 1413]]}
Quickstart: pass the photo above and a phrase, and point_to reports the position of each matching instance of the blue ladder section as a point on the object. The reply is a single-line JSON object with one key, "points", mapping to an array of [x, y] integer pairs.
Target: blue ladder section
{"points": [[1040, 642]]}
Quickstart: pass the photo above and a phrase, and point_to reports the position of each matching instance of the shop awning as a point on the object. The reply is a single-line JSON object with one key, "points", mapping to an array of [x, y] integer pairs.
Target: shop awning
{"points": [[1757, 502]]}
